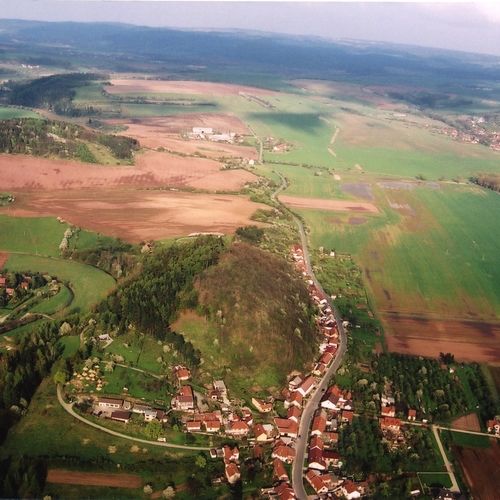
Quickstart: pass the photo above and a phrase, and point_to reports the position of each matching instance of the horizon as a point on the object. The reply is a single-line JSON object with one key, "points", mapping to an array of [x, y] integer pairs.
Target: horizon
{"points": [[460, 27]]}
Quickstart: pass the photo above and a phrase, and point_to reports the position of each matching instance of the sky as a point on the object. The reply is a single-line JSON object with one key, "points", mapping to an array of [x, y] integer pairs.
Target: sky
{"points": [[471, 27]]}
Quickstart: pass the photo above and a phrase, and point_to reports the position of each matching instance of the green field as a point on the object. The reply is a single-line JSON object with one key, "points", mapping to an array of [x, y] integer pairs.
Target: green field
{"points": [[56, 303], [89, 284], [71, 345], [435, 478], [469, 440], [441, 255], [7, 113]]}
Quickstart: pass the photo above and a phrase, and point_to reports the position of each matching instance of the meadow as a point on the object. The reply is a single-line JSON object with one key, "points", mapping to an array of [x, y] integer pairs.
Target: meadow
{"points": [[7, 112]]}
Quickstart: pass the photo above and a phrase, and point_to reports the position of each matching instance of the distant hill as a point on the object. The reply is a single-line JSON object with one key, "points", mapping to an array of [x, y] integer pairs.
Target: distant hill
{"points": [[261, 310]]}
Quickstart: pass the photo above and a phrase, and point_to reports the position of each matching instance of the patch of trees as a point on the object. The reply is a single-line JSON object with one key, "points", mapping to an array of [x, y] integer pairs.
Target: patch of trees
{"points": [[22, 477], [250, 234], [65, 140], [488, 181], [431, 100], [55, 92]]}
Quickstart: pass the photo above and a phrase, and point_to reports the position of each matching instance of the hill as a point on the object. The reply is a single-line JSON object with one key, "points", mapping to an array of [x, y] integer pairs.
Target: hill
{"points": [[260, 310]]}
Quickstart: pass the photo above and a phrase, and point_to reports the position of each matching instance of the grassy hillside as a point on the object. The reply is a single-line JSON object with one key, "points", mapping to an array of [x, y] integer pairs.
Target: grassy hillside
{"points": [[260, 318]]}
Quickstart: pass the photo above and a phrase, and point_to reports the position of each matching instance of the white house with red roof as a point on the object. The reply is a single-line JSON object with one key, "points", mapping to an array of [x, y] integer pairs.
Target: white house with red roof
{"points": [[286, 427], [279, 471], [307, 386], [262, 406], [388, 411], [284, 452], [314, 478], [239, 428]]}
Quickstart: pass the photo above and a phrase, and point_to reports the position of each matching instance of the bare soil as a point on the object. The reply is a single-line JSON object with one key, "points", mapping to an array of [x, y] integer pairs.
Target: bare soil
{"points": [[468, 422], [4, 257], [481, 466], [137, 215], [61, 476], [152, 169], [334, 205], [136, 86], [176, 124], [426, 336]]}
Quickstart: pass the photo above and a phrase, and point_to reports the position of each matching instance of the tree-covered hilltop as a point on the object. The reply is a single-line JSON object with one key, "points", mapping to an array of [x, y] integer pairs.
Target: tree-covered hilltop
{"points": [[60, 139], [261, 310]]}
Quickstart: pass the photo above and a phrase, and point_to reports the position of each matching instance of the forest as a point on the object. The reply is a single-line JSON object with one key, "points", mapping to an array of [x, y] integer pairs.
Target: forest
{"points": [[60, 139], [488, 181]]}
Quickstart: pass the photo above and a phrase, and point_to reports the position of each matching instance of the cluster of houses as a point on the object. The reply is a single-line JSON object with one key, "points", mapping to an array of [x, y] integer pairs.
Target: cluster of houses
{"points": [[208, 133], [474, 130], [121, 410], [10, 291]]}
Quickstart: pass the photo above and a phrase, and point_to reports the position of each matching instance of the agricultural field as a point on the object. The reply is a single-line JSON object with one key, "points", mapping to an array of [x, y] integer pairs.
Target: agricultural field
{"points": [[6, 113]]}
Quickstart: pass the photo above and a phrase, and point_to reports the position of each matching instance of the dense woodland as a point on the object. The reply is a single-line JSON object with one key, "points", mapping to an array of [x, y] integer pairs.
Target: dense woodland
{"points": [[488, 181], [55, 92], [64, 140]]}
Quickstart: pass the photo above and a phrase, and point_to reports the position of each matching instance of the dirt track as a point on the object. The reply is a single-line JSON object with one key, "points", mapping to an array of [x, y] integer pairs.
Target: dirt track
{"points": [[132, 86], [137, 215], [467, 340], [61, 476], [334, 205]]}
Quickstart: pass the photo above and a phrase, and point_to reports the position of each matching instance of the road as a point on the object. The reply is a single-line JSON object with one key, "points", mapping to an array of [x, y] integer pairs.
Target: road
{"points": [[313, 402], [68, 407], [447, 463]]}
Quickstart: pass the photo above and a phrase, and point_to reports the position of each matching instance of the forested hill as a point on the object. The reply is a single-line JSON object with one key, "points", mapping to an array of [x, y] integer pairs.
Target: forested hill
{"points": [[261, 309], [60, 139]]}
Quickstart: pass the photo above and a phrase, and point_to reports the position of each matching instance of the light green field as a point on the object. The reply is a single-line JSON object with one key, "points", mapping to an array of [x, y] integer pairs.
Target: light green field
{"points": [[7, 113], [71, 345], [56, 303], [442, 257], [89, 284]]}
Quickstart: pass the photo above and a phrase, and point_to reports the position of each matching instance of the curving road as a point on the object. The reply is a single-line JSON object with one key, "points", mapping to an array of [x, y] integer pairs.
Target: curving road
{"points": [[314, 401], [68, 407]]}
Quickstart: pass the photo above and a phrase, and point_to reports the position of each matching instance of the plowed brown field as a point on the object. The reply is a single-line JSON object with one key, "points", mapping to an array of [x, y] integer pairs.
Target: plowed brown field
{"points": [[152, 169], [137, 215], [334, 205], [61, 476], [132, 86], [424, 336]]}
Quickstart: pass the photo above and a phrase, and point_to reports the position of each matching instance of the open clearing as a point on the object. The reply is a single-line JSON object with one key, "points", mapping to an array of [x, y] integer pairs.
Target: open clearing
{"points": [[333, 205], [468, 422], [132, 86], [138, 215], [467, 340], [152, 169], [481, 466], [62, 476]]}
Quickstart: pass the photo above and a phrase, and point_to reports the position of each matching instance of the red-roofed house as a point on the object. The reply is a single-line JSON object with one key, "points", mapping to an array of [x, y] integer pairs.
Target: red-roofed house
{"points": [[412, 414], [388, 411], [284, 492], [315, 459], [193, 426], [347, 416], [330, 437], [332, 458], [181, 373], [238, 429], [284, 453], [212, 425], [286, 427], [350, 490], [121, 416], [184, 399], [295, 399], [493, 426], [307, 386], [317, 483], [390, 424], [260, 433], [279, 471], [230, 454], [319, 424], [294, 413], [262, 405], [232, 473]]}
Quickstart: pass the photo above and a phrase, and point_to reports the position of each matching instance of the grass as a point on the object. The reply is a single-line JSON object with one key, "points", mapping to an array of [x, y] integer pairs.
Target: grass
{"points": [[432, 478], [88, 284], [71, 345], [60, 301], [7, 112], [469, 440]]}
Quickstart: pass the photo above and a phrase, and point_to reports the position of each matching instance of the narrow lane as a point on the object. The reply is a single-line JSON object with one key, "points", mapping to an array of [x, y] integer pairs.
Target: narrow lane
{"points": [[447, 463]]}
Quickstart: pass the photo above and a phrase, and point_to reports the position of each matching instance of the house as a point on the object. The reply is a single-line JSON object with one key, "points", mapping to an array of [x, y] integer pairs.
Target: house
{"points": [[121, 416], [193, 426], [319, 369], [261, 405], [319, 424], [232, 473], [330, 437], [295, 399], [9, 292], [184, 399], [279, 471], [315, 459], [294, 384], [181, 373], [306, 387], [326, 357], [260, 433], [332, 458], [387, 400], [412, 414], [316, 442], [284, 453], [247, 415], [390, 424], [238, 429], [317, 483], [388, 411], [286, 427], [203, 130], [212, 425], [350, 490], [150, 415], [230, 454], [294, 413], [347, 416], [493, 426], [220, 386], [109, 403], [3, 281], [336, 399], [258, 452], [284, 492], [104, 338]]}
